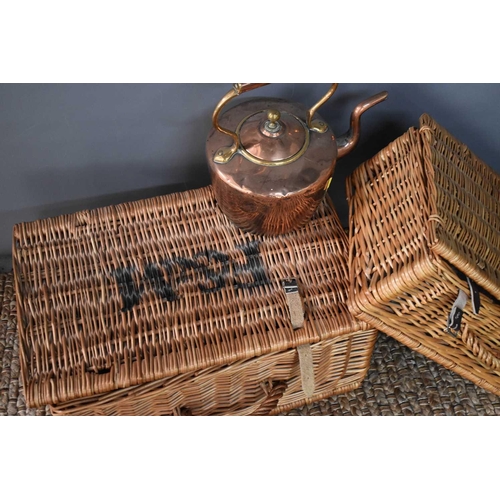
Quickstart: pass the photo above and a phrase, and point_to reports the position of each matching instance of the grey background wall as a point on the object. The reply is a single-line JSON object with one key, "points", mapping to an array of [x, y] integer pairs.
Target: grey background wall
{"points": [[65, 148]]}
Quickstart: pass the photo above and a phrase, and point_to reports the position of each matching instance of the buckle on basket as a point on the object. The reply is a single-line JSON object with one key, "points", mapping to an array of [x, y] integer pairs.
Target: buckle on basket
{"points": [[290, 285], [454, 321], [457, 311], [294, 302]]}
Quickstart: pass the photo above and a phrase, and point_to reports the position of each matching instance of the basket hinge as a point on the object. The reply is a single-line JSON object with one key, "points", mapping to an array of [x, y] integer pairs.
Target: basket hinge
{"points": [[296, 310]]}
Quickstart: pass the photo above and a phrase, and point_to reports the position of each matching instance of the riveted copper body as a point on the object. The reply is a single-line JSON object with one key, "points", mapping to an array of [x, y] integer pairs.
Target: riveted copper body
{"points": [[271, 163]]}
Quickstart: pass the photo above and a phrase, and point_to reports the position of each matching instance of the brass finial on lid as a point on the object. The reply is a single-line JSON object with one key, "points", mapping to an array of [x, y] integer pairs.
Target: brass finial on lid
{"points": [[273, 117], [272, 127]]}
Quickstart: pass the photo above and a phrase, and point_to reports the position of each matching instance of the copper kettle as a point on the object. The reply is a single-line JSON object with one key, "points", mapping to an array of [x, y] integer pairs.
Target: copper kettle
{"points": [[271, 160]]}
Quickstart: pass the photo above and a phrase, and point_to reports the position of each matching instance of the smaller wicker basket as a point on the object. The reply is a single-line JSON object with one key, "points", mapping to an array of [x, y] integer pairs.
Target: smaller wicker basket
{"points": [[163, 307], [425, 250]]}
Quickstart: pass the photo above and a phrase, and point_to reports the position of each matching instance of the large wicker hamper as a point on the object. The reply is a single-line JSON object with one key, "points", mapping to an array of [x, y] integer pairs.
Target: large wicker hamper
{"points": [[163, 307], [425, 250]]}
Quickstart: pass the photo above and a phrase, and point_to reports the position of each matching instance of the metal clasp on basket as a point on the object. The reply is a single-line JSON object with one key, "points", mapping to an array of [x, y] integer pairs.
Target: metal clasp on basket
{"points": [[290, 285]]}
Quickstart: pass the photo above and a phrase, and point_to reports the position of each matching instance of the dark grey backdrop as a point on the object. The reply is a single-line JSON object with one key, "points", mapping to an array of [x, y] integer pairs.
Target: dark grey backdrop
{"points": [[65, 148]]}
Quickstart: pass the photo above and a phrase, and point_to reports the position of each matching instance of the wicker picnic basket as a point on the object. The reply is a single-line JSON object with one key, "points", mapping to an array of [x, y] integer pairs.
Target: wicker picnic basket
{"points": [[425, 250], [163, 307]]}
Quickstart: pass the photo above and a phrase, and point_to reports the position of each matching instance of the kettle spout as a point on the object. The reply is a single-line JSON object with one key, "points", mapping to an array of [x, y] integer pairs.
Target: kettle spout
{"points": [[347, 142]]}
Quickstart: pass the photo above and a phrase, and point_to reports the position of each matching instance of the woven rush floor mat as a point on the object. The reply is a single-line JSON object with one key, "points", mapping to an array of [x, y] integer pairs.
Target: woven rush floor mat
{"points": [[11, 393], [399, 381]]}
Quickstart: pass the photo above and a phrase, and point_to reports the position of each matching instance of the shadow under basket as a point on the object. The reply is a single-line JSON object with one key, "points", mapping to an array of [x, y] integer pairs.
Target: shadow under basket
{"points": [[425, 250], [163, 307]]}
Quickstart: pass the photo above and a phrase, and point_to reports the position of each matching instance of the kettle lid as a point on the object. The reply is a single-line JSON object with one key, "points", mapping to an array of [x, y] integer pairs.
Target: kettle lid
{"points": [[272, 137]]}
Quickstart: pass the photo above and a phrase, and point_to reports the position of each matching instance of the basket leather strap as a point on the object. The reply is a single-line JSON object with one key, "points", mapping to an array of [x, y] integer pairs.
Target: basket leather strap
{"points": [[306, 369], [474, 295], [453, 325], [294, 302], [296, 310], [457, 311]]}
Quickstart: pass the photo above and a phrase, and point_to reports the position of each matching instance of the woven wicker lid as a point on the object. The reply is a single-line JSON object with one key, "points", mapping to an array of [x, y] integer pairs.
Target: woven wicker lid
{"points": [[464, 198], [124, 295]]}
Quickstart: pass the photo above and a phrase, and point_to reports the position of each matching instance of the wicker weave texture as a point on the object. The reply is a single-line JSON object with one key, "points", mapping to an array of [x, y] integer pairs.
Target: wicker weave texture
{"points": [[269, 384], [137, 293], [465, 206], [399, 381], [424, 215]]}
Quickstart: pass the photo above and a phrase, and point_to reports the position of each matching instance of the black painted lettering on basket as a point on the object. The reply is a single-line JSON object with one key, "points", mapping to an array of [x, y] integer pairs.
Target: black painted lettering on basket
{"points": [[211, 270], [154, 275], [130, 292], [254, 265], [214, 280]]}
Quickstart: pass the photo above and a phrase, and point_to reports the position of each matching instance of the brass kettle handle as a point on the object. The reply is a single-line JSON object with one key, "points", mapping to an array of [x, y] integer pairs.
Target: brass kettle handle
{"points": [[317, 125], [224, 154]]}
